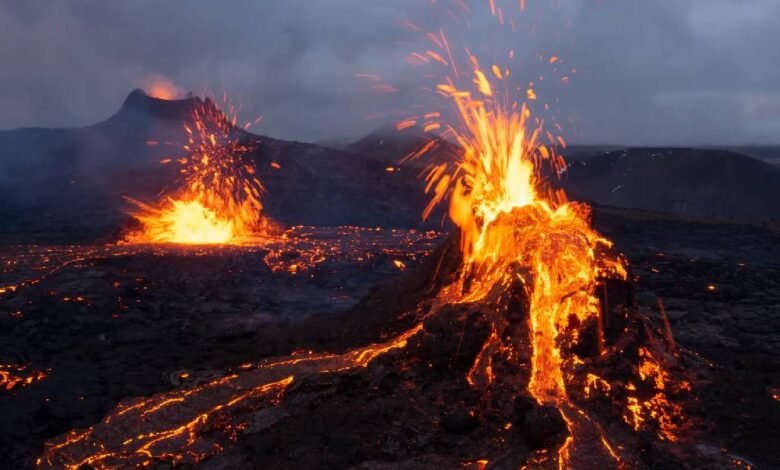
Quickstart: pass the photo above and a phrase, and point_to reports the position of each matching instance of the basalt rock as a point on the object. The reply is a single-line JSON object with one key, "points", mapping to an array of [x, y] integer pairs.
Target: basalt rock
{"points": [[543, 426], [460, 422]]}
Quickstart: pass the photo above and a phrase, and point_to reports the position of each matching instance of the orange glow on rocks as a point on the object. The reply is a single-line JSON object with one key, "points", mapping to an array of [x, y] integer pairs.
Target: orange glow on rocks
{"points": [[160, 87]]}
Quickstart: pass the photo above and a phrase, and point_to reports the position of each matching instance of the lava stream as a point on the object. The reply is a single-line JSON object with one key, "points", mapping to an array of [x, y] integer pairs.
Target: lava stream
{"points": [[188, 426]]}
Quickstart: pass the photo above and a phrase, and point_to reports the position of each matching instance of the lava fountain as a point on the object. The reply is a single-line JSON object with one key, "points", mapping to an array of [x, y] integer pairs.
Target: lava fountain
{"points": [[219, 201], [506, 218]]}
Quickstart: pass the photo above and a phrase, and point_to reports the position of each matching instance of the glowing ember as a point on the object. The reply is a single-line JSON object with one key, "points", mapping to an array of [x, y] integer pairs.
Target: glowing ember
{"points": [[655, 408], [16, 376], [220, 200]]}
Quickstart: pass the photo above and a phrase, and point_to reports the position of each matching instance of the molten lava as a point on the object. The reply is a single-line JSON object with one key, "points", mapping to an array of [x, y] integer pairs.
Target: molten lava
{"points": [[512, 229], [219, 201], [505, 219], [186, 222], [188, 426], [17, 376]]}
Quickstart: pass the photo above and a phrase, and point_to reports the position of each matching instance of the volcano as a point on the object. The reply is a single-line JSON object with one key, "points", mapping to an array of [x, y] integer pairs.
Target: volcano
{"points": [[456, 360], [519, 343], [460, 289]]}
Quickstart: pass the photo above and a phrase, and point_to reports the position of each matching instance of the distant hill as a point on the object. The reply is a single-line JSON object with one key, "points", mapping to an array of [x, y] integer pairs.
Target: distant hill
{"points": [[767, 153], [392, 146], [686, 182], [582, 152]]}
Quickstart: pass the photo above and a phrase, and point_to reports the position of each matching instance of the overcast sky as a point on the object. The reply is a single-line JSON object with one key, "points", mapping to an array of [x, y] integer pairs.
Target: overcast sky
{"points": [[649, 71]]}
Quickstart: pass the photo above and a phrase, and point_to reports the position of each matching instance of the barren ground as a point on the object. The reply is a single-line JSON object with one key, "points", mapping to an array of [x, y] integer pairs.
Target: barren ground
{"points": [[110, 323]]}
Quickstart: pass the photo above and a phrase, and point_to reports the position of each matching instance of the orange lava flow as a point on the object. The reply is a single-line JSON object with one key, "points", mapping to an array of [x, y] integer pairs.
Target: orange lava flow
{"points": [[189, 426], [220, 200], [654, 406]]}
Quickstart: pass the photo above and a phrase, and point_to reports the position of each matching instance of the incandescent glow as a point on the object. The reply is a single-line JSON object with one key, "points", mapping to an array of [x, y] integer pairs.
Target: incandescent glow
{"points": [[160, 87], [185, 427], [17, 376], [186, 222], [514, 228]]}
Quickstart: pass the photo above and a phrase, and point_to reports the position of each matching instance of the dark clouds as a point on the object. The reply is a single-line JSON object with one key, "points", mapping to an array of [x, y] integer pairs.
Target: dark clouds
{"points": [[650, 72]]}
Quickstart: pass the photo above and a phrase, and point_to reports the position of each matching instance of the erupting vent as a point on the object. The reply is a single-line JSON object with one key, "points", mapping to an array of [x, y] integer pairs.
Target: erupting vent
{"points": [[220, 199]]}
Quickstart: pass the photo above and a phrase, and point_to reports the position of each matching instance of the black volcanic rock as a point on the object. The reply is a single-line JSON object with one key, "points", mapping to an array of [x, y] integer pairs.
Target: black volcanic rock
{"points": [[140, 109], [459, 422], [543, 425], [322, 186], [390, 415]]}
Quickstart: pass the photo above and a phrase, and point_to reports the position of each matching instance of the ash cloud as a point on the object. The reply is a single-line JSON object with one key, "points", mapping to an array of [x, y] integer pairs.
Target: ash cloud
{"points": [[659, 72]]}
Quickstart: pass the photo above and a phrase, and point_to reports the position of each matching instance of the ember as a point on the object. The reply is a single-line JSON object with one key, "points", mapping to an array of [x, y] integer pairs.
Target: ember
{"points": [[17, 376]]}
